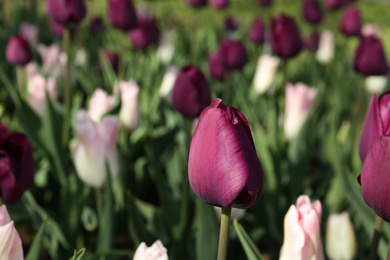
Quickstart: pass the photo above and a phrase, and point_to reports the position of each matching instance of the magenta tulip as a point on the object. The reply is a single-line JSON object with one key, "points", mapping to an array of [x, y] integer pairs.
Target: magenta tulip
{"points": [[145, 34], [312, 11], [18, 51], [96, 25], [223, 167], [334, 4], [351, 23], [219, 4], [216, 68], [66, 11], [233, 54], [256, 32], [370, 59], [122, 15]]}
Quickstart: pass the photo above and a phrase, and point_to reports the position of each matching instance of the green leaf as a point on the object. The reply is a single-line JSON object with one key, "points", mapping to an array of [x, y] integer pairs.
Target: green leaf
{"points": [[249, 247], [78, 254], [35, 248], [207, 232]]}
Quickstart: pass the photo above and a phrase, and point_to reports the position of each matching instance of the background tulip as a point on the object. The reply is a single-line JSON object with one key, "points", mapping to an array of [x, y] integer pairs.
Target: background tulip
{"points": [[266, 69], [302, 231], [53, 59], [233, 54], [168, 82], [312, 42], [122, 15], [16, 165], [219, 4], [66, 11], [129, 113], [223, 167], [351, 23], [166, 49], [96, 25], [37, 87], [375, 84], [216, 68], [18, 51], [145, 34], [326, 45], [370, 59], [29, 32], [157, 251], [197, 3], [256, 32], [231, 25], [334, 4], [100, 104], [312, 11], [370, 30], [10, 242], [191, 92]]}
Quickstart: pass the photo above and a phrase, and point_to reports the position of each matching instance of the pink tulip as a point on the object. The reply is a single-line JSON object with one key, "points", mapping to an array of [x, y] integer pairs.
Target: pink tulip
{"points": [[302, 231], [29, 32], [10, 242], [157, 251], [100, 104], [53, 59], [266, 69], [36, 88], [129, 113]]}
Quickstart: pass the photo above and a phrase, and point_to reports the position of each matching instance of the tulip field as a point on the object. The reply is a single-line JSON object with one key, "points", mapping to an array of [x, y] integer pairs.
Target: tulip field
{"points": [[194, 129]]}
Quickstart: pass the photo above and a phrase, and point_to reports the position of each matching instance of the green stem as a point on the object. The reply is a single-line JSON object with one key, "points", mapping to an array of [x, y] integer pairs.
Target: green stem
{"points": [[388, 252], [224, 233], [67, 89], [356, 127], [21, 80], [376, 238]]}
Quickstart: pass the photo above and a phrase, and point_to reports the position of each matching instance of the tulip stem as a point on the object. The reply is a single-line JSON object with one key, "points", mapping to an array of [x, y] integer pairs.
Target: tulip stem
{"points": [[67, 90], [388, 252], [224, 233], [357, 116], [376, 238]]}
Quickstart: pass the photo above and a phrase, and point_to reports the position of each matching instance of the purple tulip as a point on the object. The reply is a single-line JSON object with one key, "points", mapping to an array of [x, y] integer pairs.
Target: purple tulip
{"points": [[370, 59], [231, 25], [374, 177], [264, 2], [376, 123], [190, 93], [122, 15], [233, 54], [16, 165], [312, 11], [66, 11], [197, 3], [285, 38], [312, 42], [256, 32], [112, 58], [18, 51], [351, 23], [334, 4], [58, 29], [216, 68], [219, 4], [223, 167], [145, 34], [96, 25]]}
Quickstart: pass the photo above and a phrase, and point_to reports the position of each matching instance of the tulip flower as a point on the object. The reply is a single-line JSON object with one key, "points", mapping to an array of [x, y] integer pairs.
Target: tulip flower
{"points": [[216, 68], [145, 34], [312, 42], [18, 51], [53, 59], [16, 165], [370, 30], [31, 69], [264, 2], [219, 4], [351, 23], [122, 15], [334, 4], [157, 251], [223, 167], [197, 3], [231, 25], [96, 145], [168, 82], [302, 231], [58, 29], [375, 84], [66, 11], [100, 104], [10, 242], [112, 58], [96, 25], [190, 93], [285, 38], [37, 87], [312, 11], [256, 32], [129, 113], [266, 69], [299, 101], [233, 54], [340, 237], [29, 32], [370, 59], [166, 49], [326, 45]]}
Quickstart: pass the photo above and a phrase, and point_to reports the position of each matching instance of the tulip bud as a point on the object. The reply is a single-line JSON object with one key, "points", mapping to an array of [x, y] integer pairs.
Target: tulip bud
{"points": [[29, 32], [66, 11], [216, 68], [16, 165], [191, 92], [233, 54], [96, 25], [231, 25], [53, 59], [334, 4], [112, 58], [325, 52], [375, 84], [370, 59], [219, 4], [351, 23], [223, 167], [302, 231], [145, 34], [168, 82], [266, 69], [340, 237], [256, 32], [37, 87], [370, 30], [122, 15], [264, 2], [18, 51], [95, 147], [285, 38], [312, 11], [197, 3], [299, 100], [166, 49], [10, 242], [155, 252], [312, 42], [100, 104], [129, 113]]}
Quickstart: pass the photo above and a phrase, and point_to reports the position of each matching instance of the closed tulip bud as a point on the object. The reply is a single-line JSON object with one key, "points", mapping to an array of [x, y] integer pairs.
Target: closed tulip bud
{"points": [[312, 42], [370, 30], [112, 58], [129, 113], [29, 32], [168, 82], [340, 237], [351, 22], [18, 51], [10, 242], [333, 4], [266, 69], [219, 4], [157, 251], [122, 15], [196, 3], [233, 54], [375, 84], [326, 45], [100, 104], [299, 101], [145, 34], [223, 167], [96, 145], [216, 68], [96, 25], [16, 165], [370, 59], [302, 231], [285, 38], [256, 32], [37, 87], [312, 11], [264, 2], [190, 93], [66, 11], [231, 25]]}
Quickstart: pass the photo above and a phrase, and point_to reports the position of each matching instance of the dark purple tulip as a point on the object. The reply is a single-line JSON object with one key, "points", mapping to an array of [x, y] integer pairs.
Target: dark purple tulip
{"points": [[58, 29], [334, 4], [376, 123], [66, 11], [121, 14], [370, 58], [18, 51], [16, 165], [223, 167], [233, 54], [256, 32], [351, 23], [145, 34], [312, 42], [285, 38], [264, 2], [216, 68], [190, 94], [231, 24], [219, 4], [96, 25], [112, 58], [375, 177], [312, 11], [197, 3]]}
